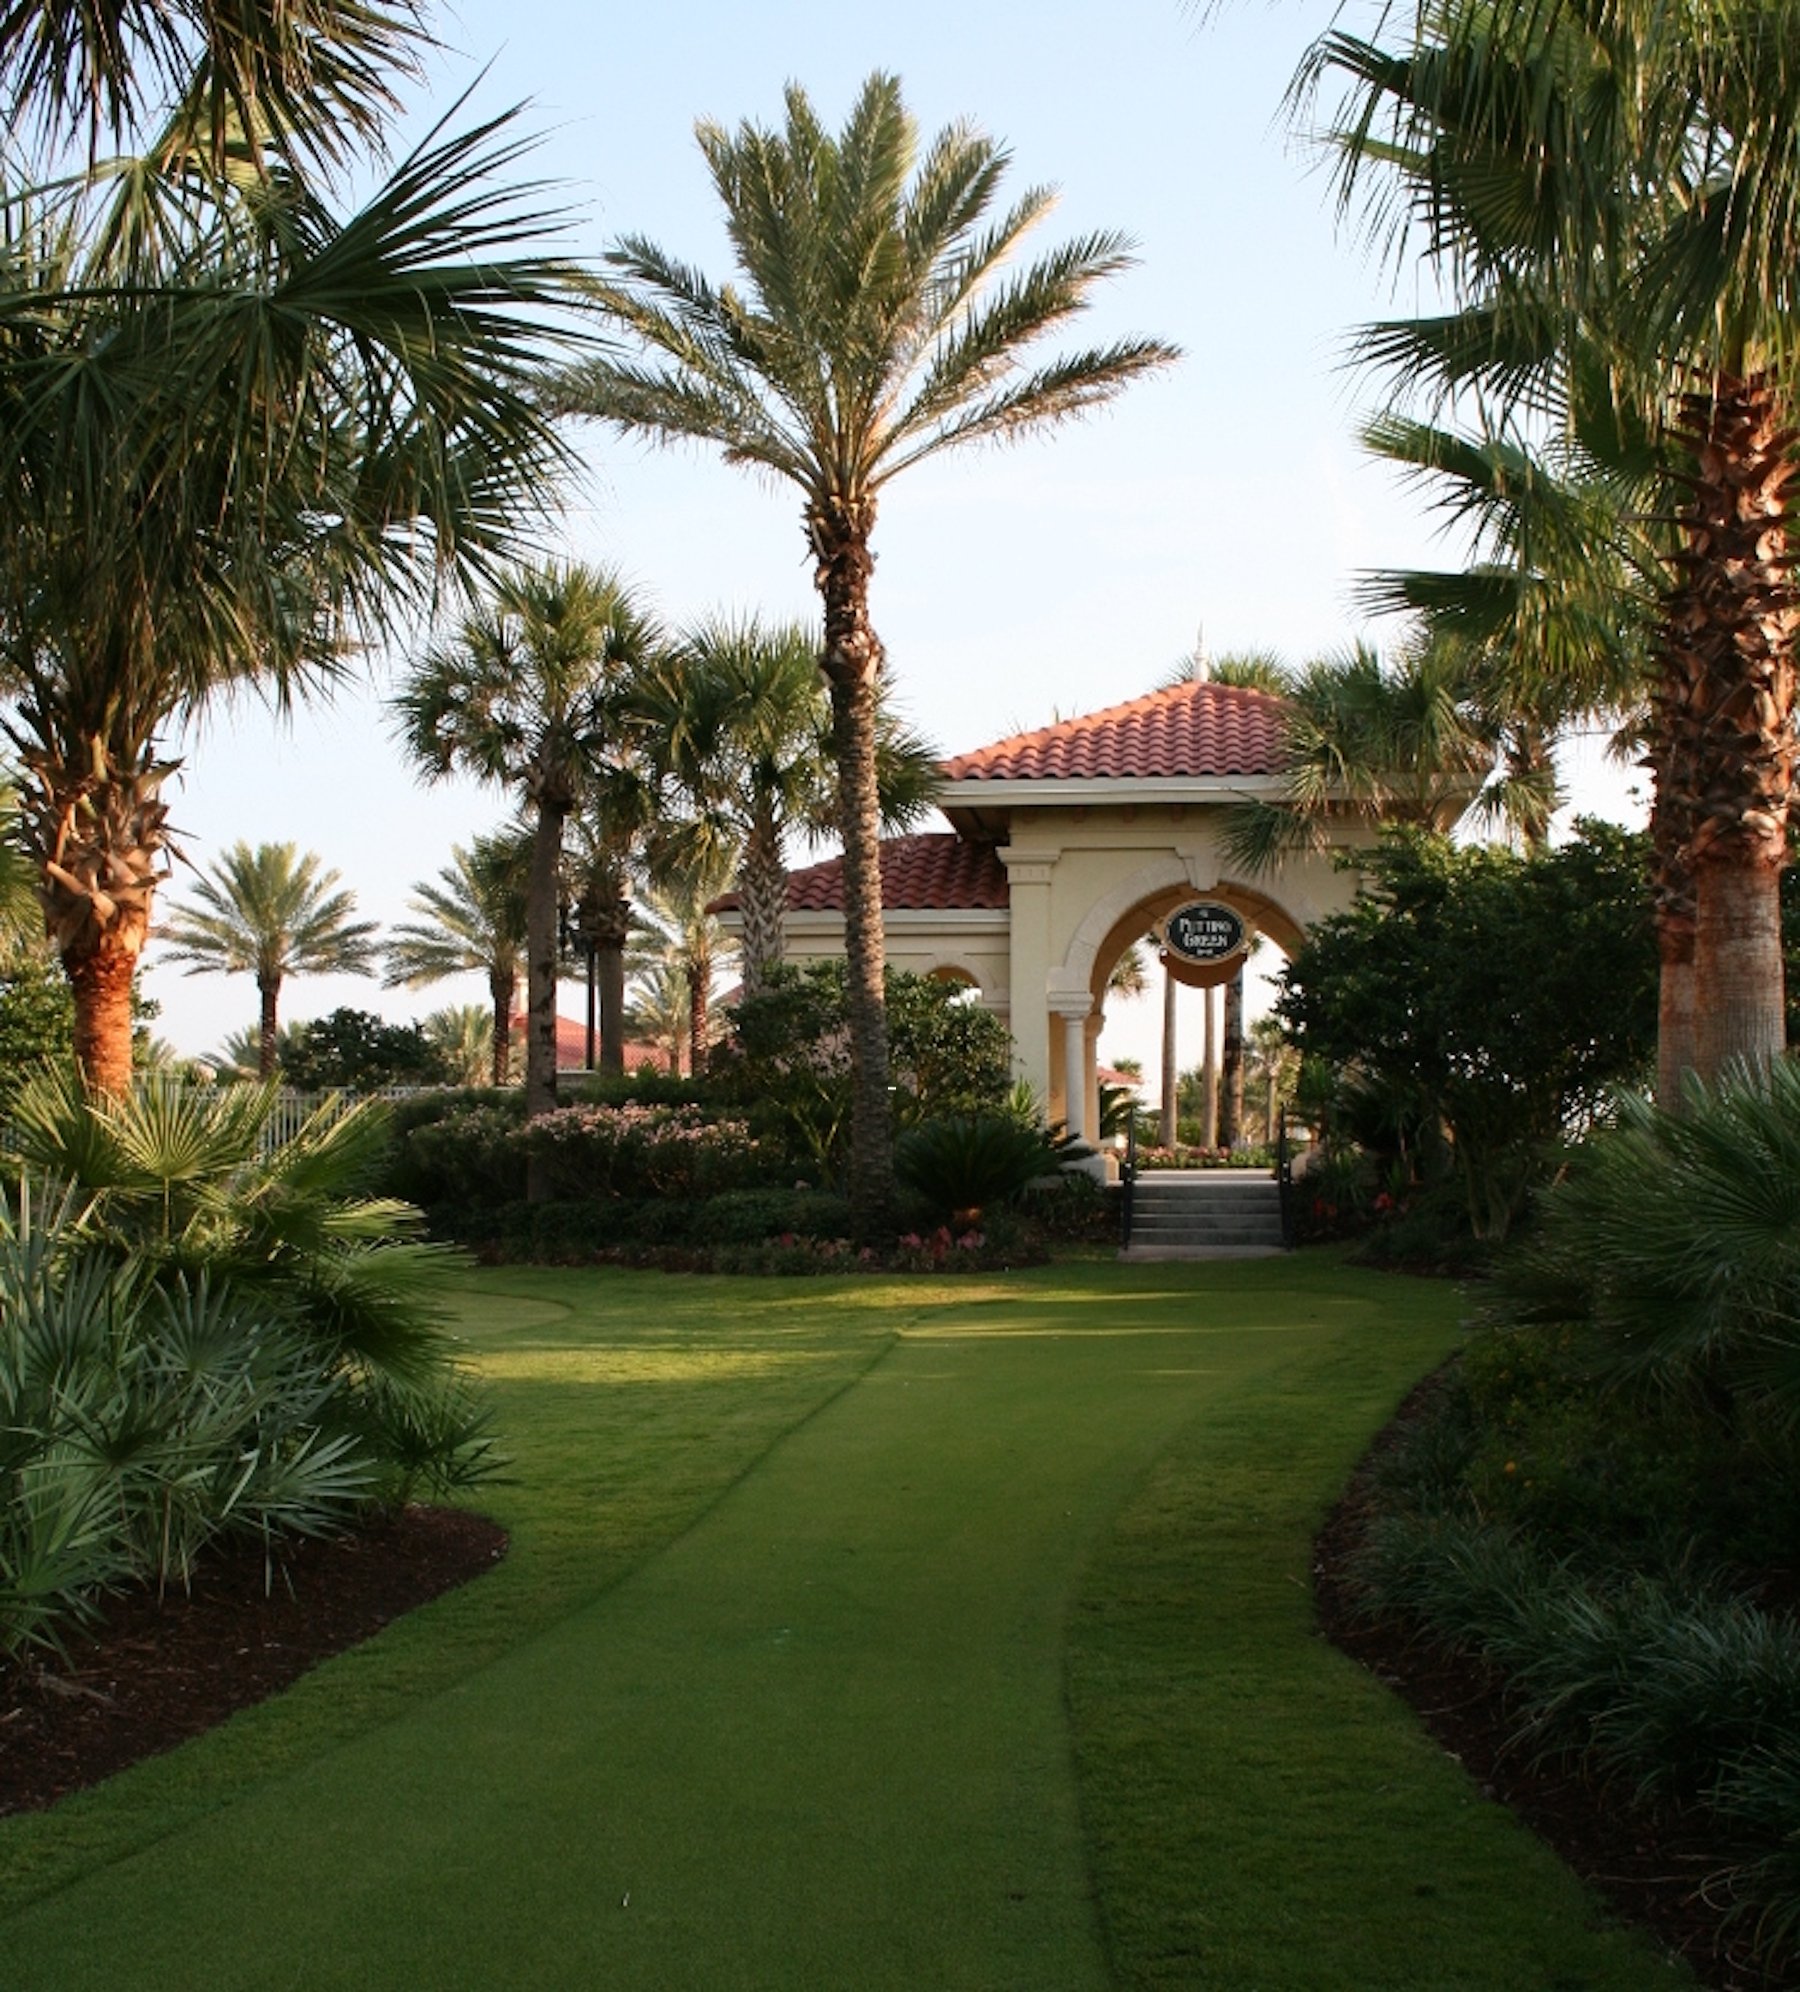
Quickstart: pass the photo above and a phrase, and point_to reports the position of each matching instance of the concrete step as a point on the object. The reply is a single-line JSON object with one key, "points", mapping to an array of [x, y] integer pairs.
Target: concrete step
{"points": [[1205, 1214]]}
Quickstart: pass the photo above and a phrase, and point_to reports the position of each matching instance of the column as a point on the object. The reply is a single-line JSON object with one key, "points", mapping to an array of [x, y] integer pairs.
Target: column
{"points": [[1028, 893], [1075, 1062]]}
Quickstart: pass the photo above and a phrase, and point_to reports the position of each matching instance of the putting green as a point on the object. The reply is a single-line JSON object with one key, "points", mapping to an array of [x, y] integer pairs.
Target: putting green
{"points": [[817, 1735]]}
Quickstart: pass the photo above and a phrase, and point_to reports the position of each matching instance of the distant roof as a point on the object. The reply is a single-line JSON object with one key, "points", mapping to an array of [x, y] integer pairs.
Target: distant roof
{"points": [[571, 1045], [933, 870], [1190, 729]]}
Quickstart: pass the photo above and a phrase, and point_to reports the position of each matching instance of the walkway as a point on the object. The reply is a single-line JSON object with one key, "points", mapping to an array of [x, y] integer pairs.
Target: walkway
{"points": [[818, 1740]]}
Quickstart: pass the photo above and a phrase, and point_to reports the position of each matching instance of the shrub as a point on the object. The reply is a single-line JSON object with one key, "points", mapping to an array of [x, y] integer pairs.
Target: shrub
{"points": [[959, 1164], [606, 1151], [203, 1334]]}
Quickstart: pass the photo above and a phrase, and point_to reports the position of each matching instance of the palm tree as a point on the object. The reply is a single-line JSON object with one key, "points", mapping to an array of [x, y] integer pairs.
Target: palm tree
{"points": [[689, 939], [239, 430], [471, 922], [271, 913], [659, 1006], [742, 726], [1649, 153], [1379, 742], [462, 1035], [527, 694], [618, 823], [871, 327]]}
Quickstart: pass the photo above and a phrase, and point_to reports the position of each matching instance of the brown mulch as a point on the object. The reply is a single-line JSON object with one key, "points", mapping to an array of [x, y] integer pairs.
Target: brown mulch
{"points": [[153, 1672], [1651, 1867]]}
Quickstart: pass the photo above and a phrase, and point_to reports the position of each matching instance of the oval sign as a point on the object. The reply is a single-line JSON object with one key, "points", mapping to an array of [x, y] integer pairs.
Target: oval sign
{"points": [[1204, 931]]}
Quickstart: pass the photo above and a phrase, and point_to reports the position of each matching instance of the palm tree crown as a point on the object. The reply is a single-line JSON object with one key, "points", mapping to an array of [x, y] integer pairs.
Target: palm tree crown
{"points": [[877, 322], [270, 913], [741, 724], [239, 428], [529, 693]]}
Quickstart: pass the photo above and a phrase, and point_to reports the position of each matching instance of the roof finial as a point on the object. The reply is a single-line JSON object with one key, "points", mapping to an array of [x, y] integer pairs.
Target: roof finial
{"points": [[1202, 662]]}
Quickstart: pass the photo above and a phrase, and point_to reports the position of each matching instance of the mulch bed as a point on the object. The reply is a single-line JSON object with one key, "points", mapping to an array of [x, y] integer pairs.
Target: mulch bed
{"points": [[1651, 1867], [153, 1672]]}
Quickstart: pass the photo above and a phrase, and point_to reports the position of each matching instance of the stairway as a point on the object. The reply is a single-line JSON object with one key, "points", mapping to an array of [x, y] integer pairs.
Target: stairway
{"points": [[1205, 1214]]}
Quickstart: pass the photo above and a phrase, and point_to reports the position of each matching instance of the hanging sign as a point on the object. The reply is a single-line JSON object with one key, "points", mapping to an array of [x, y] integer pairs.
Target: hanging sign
{"points": [[1205, 932]]}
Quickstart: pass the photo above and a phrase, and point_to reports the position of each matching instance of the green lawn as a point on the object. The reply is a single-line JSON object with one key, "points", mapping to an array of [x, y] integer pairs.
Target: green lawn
{"points": [[883, 1634]]}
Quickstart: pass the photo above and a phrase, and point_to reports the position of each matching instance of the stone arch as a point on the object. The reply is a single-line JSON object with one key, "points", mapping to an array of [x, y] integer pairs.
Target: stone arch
{"points": [[1118, 917]]}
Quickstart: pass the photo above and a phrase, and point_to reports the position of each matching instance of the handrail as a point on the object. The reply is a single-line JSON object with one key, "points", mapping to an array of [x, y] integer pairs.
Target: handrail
{"points": [[1127, 1182], [1284, 1180]]}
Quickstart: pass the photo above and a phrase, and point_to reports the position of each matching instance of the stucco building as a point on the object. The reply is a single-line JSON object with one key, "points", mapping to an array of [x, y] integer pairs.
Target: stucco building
{"points": [[1067, 845]]}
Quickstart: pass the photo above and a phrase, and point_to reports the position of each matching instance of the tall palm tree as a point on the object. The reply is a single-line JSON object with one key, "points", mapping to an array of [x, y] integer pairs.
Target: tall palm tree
{"points": [[471, 922], [875, 322], [741, 724], [270, 912], [1650, 154], [239, 429], [527, 693]]}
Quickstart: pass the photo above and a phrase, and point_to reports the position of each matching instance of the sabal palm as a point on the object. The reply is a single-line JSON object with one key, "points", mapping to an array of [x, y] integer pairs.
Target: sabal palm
{"points": [[1379, 742], [1635, 170], [527, 694], [741, 723], [472, 921], [238, 428], [875, 325], [270, 913]]}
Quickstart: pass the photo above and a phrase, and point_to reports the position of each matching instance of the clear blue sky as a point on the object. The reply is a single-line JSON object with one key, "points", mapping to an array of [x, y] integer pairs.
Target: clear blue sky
{"points": [[1013, 586]]}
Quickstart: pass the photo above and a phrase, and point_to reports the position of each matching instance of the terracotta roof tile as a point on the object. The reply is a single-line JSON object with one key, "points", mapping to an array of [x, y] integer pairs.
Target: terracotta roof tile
{"points": [[931, 870], [1186, 730]]}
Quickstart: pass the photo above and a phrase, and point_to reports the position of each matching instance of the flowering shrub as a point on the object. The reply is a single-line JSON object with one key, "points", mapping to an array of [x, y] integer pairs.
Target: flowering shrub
{"points": [[1185, 1156], [641, 1151]]}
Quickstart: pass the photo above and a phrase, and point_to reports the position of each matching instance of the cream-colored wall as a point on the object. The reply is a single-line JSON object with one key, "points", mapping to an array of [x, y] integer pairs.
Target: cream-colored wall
{"points": [[1097, 878], [1086, 882]]}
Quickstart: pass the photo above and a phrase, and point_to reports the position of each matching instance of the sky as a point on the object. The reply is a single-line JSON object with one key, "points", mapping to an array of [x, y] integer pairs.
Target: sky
{"points": [[1225, 500]]}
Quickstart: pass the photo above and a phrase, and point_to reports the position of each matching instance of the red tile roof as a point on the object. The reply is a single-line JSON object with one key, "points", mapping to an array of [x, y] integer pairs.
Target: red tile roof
{"points": [[932, 870], [1186, 730], [571, 1046]]}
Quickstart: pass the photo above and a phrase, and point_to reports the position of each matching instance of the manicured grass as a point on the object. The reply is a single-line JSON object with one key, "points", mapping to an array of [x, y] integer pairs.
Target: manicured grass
{"points": [[775, 1689]]}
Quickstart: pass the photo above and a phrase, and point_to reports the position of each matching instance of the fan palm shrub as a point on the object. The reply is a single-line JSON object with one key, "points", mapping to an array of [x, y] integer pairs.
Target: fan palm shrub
{"points": [[204, 1335], [1673, 1238]]}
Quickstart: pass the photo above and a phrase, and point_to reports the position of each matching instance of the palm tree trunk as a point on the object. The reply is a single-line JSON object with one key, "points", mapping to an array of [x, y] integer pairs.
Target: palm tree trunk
{"points": [[1231, 1091], [1209, 1072], [699, 981], [100, 980], [608, 934], [762, 904], [1167, 1126], [270, 992], [99, 837], [1729, 647], [839, 535], [540, 978], [502, 985]]}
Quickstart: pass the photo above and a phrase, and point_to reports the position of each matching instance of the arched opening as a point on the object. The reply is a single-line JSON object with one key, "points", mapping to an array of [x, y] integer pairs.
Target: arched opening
{"points": [[1203, 1080]]}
